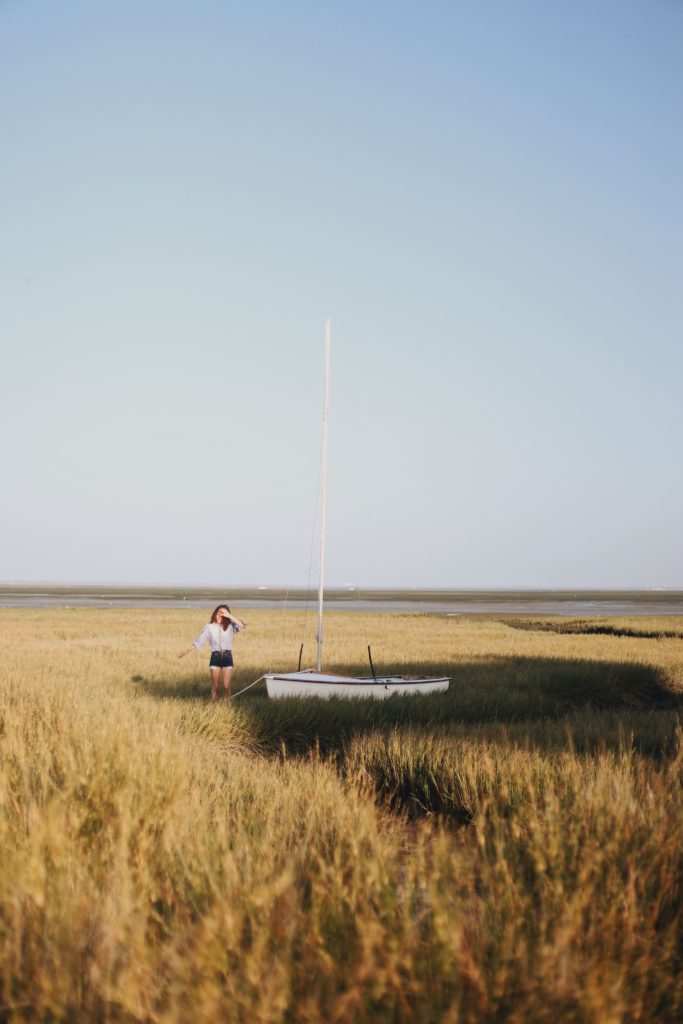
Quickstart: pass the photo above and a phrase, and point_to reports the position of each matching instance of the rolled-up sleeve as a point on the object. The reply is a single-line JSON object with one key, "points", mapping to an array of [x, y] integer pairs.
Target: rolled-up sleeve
{"points": [[202, 638]]}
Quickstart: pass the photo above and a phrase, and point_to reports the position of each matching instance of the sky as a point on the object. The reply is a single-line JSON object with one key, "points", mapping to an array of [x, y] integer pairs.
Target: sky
{"points": [[485, 198]]}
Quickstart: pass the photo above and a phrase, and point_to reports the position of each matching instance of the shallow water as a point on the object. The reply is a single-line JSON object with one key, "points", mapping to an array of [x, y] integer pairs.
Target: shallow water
{"points": [[574, 604]]}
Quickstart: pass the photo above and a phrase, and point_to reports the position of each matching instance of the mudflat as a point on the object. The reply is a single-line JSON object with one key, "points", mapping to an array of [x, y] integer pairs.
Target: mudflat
{"points": [[428, 601]]}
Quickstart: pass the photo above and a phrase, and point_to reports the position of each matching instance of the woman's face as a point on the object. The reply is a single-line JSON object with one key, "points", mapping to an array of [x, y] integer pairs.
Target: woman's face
{"points": [[221, 614]]}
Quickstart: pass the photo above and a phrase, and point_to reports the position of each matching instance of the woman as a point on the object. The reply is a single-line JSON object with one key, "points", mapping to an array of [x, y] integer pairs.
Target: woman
{"points": [[218, 633]]}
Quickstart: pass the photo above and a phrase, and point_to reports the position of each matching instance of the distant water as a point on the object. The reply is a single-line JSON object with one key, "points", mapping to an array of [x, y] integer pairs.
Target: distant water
{"points": [[610, 603]]}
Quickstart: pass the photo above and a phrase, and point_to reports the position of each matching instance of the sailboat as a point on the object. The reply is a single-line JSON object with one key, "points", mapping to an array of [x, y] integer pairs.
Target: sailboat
{"points": [[313, 682]]}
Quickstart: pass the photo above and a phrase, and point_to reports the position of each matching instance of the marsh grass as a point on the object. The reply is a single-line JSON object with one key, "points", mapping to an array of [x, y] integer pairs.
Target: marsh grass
{"points": [[511, 852], [655, 629]]}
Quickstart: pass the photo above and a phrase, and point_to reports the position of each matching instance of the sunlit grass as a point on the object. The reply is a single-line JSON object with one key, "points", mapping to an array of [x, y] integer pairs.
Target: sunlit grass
{"points": [[509, 851]]}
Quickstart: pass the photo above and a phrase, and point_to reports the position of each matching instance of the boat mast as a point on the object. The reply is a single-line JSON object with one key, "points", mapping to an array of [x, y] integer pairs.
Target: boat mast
{"points": [[323, 493]]}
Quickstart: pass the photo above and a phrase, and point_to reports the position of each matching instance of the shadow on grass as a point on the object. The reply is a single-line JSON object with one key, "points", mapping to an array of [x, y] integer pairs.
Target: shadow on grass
{"points": [[501, 690], [188, 689], [408, 748]]}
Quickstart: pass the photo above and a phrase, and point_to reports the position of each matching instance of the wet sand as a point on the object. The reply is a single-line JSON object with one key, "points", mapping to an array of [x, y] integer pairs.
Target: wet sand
{"points": [[612, 603]]}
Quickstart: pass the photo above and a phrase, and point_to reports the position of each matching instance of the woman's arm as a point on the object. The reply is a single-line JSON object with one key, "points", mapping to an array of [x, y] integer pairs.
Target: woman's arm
{"points": [[240, 623], [199, 642]]}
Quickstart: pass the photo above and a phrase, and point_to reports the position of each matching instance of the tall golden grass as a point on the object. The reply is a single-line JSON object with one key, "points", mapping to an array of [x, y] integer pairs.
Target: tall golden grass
{"points": [[509, 852]]}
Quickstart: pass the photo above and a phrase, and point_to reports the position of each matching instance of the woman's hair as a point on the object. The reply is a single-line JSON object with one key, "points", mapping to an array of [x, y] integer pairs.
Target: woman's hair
{"points": [[214, 615]]}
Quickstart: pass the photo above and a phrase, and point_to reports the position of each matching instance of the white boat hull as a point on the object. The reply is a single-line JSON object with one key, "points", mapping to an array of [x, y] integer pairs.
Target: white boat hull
{"points": [[310, 683]]}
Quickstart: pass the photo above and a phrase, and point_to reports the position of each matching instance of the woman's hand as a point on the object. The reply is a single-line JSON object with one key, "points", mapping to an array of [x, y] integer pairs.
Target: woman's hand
{"points": [[186, 651]]}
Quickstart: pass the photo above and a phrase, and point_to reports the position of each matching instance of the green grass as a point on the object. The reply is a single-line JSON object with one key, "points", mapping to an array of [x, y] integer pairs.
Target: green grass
{"points": [[593, 627]]}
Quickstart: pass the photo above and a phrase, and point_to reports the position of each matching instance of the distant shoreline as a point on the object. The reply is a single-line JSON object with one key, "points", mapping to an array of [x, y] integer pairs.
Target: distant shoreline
{"points": [[429, 601]]}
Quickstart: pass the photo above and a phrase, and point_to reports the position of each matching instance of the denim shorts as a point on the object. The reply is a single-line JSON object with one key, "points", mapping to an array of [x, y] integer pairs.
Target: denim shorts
{"points": [[221, 659]]}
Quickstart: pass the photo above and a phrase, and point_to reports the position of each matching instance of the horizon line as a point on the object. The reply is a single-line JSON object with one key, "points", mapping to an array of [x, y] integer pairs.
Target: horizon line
{"points": [[347, 586]]}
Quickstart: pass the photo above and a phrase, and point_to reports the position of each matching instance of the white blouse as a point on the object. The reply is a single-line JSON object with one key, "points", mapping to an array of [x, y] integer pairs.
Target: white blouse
{"points": [[218, 639]]}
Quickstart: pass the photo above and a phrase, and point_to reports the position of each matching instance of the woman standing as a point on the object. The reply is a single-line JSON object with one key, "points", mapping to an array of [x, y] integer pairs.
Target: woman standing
{"points": [[218, 633]]}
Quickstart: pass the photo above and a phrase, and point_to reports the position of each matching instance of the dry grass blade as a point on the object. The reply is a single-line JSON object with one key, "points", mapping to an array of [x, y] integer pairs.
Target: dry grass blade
{"points": [[510, 852]]}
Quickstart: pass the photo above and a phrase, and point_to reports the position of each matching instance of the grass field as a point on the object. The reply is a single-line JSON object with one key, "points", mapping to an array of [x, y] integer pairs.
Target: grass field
{"points": [[509, 851]]}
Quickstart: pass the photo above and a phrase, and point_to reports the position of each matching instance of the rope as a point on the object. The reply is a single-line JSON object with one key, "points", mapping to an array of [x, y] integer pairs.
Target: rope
{"points": [[244, 690]]}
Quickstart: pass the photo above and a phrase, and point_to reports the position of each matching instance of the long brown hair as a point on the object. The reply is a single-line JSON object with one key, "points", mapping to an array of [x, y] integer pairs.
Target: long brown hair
{"points": [[214, 615]]}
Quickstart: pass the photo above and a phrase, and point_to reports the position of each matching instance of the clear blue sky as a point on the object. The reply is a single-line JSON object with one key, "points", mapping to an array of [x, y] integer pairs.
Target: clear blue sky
{"points": [[485, 198]]}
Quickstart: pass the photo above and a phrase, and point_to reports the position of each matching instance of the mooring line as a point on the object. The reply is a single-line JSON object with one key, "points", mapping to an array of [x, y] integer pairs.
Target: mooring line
{"points": [[240, 692]]}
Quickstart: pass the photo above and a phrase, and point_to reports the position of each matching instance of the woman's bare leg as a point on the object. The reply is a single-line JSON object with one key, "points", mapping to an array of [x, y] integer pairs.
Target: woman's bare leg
{"points": [[215, 676], [227, 681]]}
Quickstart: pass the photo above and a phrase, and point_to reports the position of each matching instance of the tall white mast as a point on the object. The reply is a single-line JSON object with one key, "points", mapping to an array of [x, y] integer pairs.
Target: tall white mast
{"points": [[323, 493]]}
